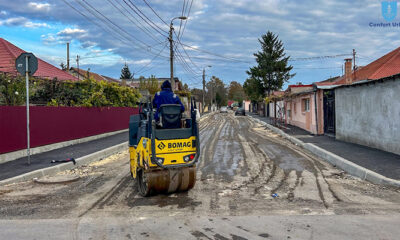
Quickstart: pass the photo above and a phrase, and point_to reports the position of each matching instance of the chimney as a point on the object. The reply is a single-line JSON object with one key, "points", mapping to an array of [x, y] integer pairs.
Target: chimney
{"points": [[347, 70]]}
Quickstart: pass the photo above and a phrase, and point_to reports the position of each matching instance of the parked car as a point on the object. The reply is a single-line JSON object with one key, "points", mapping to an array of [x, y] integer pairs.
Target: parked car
{"points": [[240, 111], [223, 110]]}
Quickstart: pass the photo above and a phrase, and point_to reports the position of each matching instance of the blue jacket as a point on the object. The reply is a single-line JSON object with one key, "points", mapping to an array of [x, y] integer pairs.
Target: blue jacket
{"points": [[166, 96]]}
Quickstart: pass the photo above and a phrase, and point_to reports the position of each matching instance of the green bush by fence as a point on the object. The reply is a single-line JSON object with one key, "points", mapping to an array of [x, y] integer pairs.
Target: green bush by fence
{"points": [[87, 93]]}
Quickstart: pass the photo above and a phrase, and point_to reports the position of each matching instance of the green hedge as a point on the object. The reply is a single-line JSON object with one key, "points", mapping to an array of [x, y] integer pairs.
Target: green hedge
{"points": [[87, 93]]}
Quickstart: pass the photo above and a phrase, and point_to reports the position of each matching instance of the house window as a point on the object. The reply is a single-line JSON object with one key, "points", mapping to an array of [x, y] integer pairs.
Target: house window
{"points": [[289, 113], [306, 104]]}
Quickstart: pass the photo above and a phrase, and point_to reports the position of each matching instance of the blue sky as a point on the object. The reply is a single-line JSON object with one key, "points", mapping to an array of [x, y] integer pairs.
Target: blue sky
{"points": [[228, 28]]}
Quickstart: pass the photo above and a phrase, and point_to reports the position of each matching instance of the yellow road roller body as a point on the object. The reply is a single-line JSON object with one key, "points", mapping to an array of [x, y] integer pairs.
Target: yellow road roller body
{"points": [[163, 155]]}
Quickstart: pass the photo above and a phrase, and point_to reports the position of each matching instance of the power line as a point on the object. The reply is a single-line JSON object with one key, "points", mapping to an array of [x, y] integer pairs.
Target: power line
{"points": [[155, 13], [150, 68], [118, 27], [319, 57], [179, 54], [214, 54], [113, 28], [144, 29], [179, 41], [89, 19], [138, 71], [183, 10], [184, 26], [148, 21], [318, 68]]}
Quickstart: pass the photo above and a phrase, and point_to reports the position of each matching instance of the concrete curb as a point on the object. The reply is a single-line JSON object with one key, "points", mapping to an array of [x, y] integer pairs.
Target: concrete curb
{"points": [[342, 163], [67, 166], [11, 156]]}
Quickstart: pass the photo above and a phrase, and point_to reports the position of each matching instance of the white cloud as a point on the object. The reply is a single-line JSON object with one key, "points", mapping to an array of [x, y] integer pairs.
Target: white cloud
{"points": [[22, 21], [89, 44], [42, 7], [71, 31], [30, 24], [15, 21], [191, 48], [140, 62]]}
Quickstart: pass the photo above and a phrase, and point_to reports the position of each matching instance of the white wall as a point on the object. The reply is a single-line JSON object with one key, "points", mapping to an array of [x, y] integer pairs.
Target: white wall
{"points": [[369, 114], [279, 105]]}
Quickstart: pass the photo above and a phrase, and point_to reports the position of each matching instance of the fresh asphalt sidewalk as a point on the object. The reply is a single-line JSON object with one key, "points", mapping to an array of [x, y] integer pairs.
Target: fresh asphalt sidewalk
{"points": [[378, 161], [43, 160]]}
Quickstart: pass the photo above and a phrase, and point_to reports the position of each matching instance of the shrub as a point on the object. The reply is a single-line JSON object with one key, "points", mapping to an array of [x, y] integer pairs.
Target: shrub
{"points": [[12, 90], [88, 93]]}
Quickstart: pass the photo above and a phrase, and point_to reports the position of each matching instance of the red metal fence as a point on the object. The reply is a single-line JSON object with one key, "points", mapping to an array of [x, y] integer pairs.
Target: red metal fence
{"points": [[58, 124]]}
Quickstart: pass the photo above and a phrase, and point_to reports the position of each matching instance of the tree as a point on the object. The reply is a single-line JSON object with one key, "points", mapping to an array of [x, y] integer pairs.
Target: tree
{"points": [[150, 84], [63, 67], [185, 88], [126, 73], [197, 94], [216, 91], [236, 92], [253, 89], [272, 69]]}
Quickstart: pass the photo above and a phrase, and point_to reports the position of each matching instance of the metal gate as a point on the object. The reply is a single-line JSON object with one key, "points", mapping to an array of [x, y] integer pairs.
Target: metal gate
{"points": [[329, 112]]}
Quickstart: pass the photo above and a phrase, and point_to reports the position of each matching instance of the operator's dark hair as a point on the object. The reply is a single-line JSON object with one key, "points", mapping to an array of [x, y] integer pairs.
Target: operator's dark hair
{"points": [[166, 84]]}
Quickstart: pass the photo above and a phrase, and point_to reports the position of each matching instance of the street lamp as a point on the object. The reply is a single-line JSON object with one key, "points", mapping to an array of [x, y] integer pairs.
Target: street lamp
{"points": [[171, 28], [204, 85]]}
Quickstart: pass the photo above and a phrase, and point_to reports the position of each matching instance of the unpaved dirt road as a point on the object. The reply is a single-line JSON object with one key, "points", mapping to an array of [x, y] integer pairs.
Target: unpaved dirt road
{"points": [[242, 165]]}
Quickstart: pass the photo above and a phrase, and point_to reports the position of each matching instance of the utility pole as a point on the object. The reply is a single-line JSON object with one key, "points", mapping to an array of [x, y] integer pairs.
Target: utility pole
{"points": [[171, 50], [204, 84], [354, 63], [212, 97], [204, 88], [171, 55], [67, 56], [77, 64]]}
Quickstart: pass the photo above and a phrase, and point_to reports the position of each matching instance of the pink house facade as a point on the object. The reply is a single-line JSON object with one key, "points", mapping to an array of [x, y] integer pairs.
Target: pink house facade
{"points": [[303, 105]]}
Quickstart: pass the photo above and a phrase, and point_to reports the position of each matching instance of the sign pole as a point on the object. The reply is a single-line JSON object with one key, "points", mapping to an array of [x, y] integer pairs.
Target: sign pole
{"points": [[27, 64], [27, 110]]}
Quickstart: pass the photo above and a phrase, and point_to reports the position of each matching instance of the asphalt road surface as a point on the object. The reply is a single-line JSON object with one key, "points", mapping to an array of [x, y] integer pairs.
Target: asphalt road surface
{"points": [[251, 184]]}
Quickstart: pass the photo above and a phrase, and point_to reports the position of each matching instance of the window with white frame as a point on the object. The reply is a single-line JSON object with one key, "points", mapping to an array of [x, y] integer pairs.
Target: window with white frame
{"points": [[306, 104]]}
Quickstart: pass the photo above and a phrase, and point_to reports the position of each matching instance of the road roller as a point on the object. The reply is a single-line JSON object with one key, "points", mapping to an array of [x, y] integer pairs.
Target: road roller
{"points": [[163, 159]]}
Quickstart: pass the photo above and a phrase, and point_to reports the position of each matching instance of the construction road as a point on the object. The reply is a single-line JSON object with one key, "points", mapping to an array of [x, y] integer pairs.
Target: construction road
{"points": [[242, 166]]}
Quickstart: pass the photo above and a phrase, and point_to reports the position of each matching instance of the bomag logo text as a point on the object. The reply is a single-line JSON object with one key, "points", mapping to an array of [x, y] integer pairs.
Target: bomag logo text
{"points": [[179, 145]]}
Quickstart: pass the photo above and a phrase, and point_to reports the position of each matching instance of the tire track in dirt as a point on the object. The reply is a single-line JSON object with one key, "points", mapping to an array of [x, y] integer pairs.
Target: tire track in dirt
{"points": [[108, 195], [314, 161]]}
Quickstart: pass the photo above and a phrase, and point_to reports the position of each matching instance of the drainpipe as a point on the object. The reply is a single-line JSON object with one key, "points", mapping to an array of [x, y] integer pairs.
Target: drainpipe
{"points": [[315, 106]]}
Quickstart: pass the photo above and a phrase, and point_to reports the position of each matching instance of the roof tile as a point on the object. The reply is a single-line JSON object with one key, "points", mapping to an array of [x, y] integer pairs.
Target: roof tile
{"points": [[9, 52]]}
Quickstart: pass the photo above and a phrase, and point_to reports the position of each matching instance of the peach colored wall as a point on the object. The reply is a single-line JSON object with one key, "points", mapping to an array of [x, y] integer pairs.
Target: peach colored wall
{"points": [[300, 118], [246, 105]]}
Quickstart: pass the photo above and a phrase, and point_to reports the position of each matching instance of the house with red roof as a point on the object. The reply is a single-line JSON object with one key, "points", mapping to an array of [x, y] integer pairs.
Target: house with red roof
{"points": [[9, 52], [83, 74], [362, 106], [386, 66], [300, 103]]}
